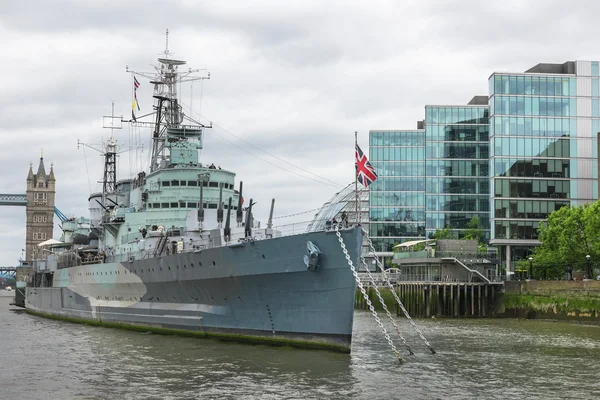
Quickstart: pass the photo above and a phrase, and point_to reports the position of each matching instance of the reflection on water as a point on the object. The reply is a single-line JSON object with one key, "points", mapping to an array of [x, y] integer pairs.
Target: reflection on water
{"points": [[476, 359]]}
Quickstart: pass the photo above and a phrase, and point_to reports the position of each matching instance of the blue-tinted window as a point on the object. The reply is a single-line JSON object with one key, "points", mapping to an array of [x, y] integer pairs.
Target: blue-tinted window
{"points": [[572, 86], [512, 85], [520, 85], [497, 85]]}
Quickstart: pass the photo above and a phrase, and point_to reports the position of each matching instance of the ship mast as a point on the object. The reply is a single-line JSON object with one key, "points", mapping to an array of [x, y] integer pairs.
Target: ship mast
{"points": [[109, 181], [168, 125]]}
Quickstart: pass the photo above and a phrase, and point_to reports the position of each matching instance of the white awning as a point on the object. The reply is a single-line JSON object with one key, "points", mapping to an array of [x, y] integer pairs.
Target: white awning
{"points": [[412, 243], [50, 242]]}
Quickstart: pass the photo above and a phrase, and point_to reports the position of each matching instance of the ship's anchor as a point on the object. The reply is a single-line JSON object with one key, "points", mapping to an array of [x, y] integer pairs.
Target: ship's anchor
{"points": [[314, 258]]}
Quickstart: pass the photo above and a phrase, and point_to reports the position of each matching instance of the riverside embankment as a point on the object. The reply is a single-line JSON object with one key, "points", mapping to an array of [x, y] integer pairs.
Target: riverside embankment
{"points": [[563, 300]]}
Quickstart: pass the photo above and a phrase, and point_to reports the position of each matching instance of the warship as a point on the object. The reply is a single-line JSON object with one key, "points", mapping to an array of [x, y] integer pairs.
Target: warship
{"points": [[176, 249]]}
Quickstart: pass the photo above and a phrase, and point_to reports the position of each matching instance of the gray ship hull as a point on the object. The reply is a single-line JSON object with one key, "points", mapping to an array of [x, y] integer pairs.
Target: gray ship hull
{"points": [[258, 291]]}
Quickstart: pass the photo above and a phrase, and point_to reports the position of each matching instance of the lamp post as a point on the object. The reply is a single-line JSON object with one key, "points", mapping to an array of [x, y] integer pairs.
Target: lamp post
{"points": [[588, 271], [530, 267]]}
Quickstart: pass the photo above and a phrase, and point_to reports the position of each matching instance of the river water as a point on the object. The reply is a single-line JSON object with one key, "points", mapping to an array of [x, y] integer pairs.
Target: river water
{"points": [[476, 358]]}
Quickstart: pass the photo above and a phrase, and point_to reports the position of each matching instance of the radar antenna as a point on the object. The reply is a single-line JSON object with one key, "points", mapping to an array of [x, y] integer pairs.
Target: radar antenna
{"points": [[109, 151], [168, 126]]}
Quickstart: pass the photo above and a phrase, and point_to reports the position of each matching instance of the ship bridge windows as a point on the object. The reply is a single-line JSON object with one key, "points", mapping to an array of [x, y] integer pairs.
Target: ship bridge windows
{"points": [[214, 184], [183, 204]]}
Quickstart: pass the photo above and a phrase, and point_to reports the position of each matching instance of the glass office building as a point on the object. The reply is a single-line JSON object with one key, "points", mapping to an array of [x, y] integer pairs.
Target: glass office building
{"points": [[510, 158], [397, 197], [543, 149], [457, 159]]}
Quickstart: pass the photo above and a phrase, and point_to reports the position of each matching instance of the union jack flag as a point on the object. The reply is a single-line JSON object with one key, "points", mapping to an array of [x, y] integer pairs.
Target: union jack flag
{"points": [[365, 172]]}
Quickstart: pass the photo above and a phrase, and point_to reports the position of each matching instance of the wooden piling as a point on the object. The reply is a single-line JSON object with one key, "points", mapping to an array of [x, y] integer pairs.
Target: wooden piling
{"points": [[472, 300]]}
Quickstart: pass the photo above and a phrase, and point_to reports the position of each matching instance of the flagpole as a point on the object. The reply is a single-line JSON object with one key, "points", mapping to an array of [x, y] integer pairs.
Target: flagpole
{"points": [[356, 177]]}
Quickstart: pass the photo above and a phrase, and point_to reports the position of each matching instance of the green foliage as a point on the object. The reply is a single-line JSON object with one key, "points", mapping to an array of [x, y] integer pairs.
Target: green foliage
{"points": [[569, 235], [556, 304], [474, 231], [446, 233], [419, 247]]}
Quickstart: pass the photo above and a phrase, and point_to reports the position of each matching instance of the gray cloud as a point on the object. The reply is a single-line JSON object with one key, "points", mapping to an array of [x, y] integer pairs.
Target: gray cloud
{"points": [[293, 78]]}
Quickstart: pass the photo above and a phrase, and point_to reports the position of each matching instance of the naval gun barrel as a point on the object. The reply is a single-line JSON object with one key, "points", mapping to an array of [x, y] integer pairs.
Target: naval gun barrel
{"points": [[238, 214], [227, 229], [270, 222], [201, 204], [220, 209], [248, 224]]}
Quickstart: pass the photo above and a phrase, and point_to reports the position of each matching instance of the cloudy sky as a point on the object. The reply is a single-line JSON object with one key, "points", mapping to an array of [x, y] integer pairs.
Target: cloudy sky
{"points": [[289, 79]]}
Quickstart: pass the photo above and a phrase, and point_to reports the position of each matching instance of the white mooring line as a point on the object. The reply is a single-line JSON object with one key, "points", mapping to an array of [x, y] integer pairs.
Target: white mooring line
{"points": [[370, 305]]}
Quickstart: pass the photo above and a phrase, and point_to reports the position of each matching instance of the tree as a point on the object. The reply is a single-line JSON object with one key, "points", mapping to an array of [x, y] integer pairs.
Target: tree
{"points": [[474, 231], [569, 234], [419, 246], [446, 233]]}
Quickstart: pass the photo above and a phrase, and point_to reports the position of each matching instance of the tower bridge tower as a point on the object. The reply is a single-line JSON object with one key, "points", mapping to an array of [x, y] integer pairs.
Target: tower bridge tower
{"points": [[39, 209]]}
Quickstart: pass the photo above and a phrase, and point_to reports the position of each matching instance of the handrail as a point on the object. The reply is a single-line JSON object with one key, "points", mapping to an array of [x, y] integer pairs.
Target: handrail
{"points": [[472, 270]]}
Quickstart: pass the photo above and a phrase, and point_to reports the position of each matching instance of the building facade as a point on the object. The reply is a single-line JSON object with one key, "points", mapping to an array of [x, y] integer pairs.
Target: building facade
{"points": [[397, 197], [457, 159], [39, 210], [543, 149], [509, 159]]}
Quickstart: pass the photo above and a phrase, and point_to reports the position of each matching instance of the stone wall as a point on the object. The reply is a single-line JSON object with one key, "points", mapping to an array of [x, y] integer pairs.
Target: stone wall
{"points": [[569, 300]]}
